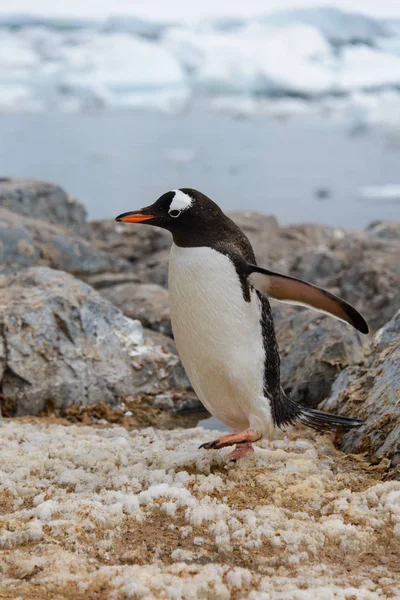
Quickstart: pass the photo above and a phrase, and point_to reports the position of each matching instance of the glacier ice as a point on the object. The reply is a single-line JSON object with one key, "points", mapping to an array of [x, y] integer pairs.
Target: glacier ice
{"points": [[311, 55]]}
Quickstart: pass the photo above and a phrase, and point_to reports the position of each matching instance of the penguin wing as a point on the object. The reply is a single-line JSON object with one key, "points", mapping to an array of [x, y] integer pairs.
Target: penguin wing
{"points": [[295, 291]]}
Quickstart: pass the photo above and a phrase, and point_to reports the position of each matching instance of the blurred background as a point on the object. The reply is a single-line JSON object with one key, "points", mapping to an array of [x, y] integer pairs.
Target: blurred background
{"points": [[286, 107]]}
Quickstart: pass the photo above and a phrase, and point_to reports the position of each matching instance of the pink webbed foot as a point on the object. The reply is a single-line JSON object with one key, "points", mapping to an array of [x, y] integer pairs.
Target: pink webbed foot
{"points": [[243, 439], [241, 451]]}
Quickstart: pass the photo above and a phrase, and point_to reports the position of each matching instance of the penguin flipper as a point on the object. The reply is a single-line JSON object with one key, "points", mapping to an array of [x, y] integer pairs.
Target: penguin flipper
{"points": [[295, 291]]}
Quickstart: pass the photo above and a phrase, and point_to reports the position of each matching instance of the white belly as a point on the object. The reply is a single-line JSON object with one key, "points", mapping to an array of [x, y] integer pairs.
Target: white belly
{"points": [[219, 337]]}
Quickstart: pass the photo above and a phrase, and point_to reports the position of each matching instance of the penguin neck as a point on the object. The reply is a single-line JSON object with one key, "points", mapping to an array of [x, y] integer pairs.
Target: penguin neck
{"points": [[213, 234]]}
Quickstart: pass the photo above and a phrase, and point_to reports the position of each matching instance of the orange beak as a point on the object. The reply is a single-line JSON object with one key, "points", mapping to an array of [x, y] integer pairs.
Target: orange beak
{"points": [[133, 217]]}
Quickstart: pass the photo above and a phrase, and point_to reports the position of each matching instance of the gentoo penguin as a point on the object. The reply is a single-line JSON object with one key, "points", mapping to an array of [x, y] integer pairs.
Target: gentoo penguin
{"points": [[222, 322]]}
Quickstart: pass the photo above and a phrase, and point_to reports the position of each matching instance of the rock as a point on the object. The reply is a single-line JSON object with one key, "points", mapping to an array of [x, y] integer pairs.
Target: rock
{"points": [[275, 246], [60, 341], [147, 302], [259, 228], [158, 339], [45, 201], [363, 270], [372, 392], [127, 241], [384, 230], [314, 349], [26, 242], [153, 268], [104, 280]]}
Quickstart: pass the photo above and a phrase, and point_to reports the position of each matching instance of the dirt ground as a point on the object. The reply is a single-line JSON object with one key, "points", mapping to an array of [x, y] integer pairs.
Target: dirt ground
{"points": [[93, 506]]}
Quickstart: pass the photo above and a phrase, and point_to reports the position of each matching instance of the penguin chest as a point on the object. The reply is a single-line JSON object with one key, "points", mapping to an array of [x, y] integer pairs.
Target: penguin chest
{"points": [[217, 332]]}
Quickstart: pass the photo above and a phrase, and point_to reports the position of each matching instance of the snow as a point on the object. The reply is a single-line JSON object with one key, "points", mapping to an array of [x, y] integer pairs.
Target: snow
{"points": [[147, 514]]}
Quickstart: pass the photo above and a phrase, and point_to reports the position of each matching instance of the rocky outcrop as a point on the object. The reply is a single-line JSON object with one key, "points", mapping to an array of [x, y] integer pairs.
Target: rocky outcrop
{"points": [[363, 269], [26, 242], [314, 349], [44, 201], [62, 342], [276, 246], [147, 302], [372, 392], [126, 241]]}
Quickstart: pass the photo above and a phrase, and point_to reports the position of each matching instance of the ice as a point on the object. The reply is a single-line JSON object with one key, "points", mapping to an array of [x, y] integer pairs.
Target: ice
{"points": [[378, 112], [367, 68], [123, 70], [386, 193], [337, 26], [291, 60], [127, 62]]}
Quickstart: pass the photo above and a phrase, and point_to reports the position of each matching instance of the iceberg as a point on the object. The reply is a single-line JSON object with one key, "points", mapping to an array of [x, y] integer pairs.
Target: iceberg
{"points": [[122, 71], [120, 62], [312, 55], [363, 68], [294, 60], [337, 26]]}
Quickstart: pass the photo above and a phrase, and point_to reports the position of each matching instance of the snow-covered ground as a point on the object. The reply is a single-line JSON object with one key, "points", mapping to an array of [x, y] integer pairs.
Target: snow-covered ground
{"points": [[124, 62], [89, 512]]}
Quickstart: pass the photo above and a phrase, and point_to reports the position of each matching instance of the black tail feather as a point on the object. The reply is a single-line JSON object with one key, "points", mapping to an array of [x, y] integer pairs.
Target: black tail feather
{"points": [[316, 419], [287, 412]]}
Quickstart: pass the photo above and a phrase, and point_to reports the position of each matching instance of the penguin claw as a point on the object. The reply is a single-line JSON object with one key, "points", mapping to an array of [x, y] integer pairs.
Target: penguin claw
{"points": [[209, 445]]}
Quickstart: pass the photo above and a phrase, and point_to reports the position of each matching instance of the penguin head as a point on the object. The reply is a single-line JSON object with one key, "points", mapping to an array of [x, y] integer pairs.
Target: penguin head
{"points": [[178, 211]]}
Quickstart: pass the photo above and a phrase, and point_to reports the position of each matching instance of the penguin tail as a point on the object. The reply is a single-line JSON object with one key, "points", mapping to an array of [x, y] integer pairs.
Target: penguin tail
{"points": [[287, 412], [322, 421]]}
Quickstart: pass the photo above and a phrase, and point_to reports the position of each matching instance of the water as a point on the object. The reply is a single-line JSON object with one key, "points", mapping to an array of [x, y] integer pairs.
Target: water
{"points": [[115, 162]]}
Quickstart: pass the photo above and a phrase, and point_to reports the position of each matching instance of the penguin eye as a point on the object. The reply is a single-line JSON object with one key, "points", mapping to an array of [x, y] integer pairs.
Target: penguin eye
{"points": [[174, 213]]}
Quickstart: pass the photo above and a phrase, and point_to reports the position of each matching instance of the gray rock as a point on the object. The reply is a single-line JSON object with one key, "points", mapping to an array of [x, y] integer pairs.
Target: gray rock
{"points": [[60, 341], [372, 392], [384, 230], [314, 349], [147, 302], [131, 242], [26, 242], [104, 280], [45, 201], [364, 270], [153, 268]]}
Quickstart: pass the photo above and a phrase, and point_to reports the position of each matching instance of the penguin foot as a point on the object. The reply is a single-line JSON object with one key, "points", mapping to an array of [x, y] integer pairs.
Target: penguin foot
{"points": [[241, 450], [246, 436]]}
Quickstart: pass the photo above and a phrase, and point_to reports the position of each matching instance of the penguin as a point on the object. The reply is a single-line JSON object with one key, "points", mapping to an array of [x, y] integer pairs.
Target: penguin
{"points": [[222, 321]]}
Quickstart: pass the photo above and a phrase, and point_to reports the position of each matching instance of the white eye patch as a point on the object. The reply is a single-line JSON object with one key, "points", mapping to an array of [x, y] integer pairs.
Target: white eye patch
{"points": [[181, 201]]}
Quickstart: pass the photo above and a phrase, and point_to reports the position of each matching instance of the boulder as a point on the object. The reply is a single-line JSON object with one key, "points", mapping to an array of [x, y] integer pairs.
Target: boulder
{"points": [[314, 349], [363, 269], [131, 242], [372, 392], [26, 242], [147, 302], [44, 201], [276, 246], [62, 342], [153, 268], [103, 280], [384, 230]]}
